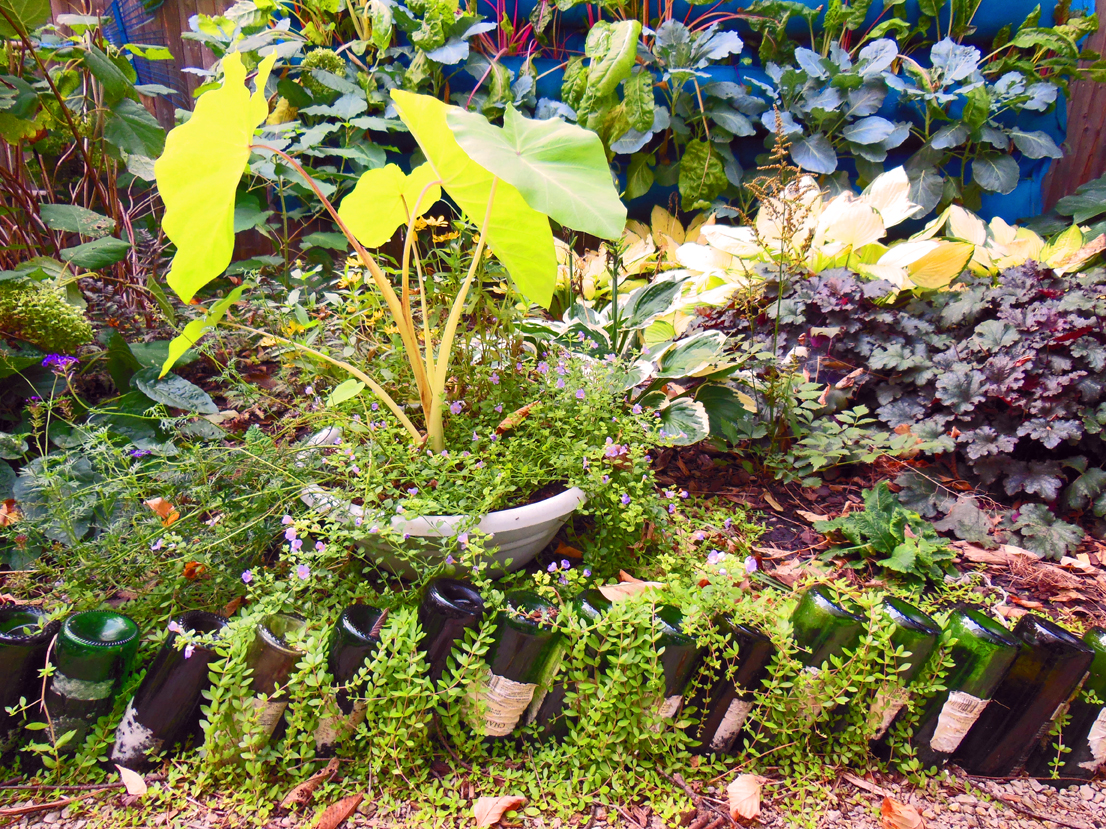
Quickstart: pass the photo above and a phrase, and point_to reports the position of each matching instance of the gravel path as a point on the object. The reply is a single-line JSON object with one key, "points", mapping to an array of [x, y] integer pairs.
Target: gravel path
{"points": [[956, 802]]}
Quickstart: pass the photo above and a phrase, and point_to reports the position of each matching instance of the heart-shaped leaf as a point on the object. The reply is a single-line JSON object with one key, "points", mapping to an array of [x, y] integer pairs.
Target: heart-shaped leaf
{"points": [[383, 200]]}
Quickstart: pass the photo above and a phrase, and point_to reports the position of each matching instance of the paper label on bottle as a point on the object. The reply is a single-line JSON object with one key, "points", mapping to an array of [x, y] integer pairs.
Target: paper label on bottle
{"points": [[133, 741], [732, 721], [268, 714], [958, 715], [332, 730], [1096, 740], [82, 689], [504, 701], [886, 706]]}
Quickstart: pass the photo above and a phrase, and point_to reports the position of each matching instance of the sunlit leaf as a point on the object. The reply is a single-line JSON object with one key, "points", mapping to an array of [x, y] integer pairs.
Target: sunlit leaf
{"points": [[192, 332], [941, 265], [383, 199]]}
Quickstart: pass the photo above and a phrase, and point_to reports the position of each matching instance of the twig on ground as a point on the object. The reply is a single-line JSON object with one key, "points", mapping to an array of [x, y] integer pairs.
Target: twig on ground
{"points": [[1017, 807], [17, 811]]}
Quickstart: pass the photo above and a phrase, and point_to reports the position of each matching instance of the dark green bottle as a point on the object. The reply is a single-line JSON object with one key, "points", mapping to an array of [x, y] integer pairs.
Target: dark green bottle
{"points": [[447, 610], [522, 647], [916, 634], [25, 636], [724, 706], [679, 657], [166, 706], [353, 640], [1050, 665], [981, 651], [1085, 730], [549, 711], [93, 654], [272, 658], [822, 628]]}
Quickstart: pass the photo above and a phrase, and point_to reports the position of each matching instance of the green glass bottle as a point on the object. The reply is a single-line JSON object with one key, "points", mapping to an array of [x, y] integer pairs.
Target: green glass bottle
{"points": [[448, 609], [1050, 665], [981, 651], [724, 706], [272, 658], [549, 710], [25, 636], [679, 657], [518, 659], [916, 635], [353, 640], [823, 628], [93, 654], [166, 706], [1085, 730]]}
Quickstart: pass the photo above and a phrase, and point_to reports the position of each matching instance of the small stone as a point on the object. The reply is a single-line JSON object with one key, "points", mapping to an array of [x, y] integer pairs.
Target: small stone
{"points": [[51, 817], [953, 806], [1086, 792]]}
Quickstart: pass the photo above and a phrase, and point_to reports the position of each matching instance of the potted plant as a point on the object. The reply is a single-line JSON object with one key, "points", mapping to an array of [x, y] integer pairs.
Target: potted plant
{"points": [[509, 182]]}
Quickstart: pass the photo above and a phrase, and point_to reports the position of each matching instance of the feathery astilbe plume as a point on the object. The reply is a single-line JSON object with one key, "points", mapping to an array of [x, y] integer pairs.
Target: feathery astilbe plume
{"points": [[786, 197]]}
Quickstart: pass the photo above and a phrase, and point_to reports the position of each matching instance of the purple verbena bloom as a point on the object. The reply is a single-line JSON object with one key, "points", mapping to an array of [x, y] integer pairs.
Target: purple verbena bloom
{"points": [[303, 572], [494, 378], [59, 363], [580, 394], [543, 367], [750, 564], [626, 500], [247, 576], [636, 409], [286, 520], [174, 627], [499, 408]]}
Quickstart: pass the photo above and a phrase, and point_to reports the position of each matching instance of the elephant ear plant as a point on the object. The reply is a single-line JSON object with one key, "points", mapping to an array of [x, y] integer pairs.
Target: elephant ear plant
{"points": [[509, 181]]}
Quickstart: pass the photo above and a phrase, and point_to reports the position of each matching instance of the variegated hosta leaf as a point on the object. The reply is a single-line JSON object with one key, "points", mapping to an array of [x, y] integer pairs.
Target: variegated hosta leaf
{"points": [[684, 421]]}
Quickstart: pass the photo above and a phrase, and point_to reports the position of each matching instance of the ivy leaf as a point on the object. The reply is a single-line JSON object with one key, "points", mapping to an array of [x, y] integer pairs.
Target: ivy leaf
{"points": [[961, 389], [1088, 490], [1037, 478], [966, 521], [1045, 534]]}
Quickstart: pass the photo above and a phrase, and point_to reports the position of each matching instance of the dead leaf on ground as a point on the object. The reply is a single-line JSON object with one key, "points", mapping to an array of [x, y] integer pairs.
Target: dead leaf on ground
{"points": [[619, 592], [812, 517], [9, 513], [744, 796], [337, 813], [302, 794], [895, 815], [133, 781], [861, 783], [514, 418], [489, 810], [165, 511], [565, 551], [233, 605], [772, 502]]}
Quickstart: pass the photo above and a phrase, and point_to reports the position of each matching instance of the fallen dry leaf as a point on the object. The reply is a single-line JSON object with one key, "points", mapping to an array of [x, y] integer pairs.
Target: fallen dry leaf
{"points": [[744, 796], [565, 551], [302, 794], [895, 815], [9, 513], [233, 605], [772, 502], [811, 516], [165, 511], [337, 813], [489, 810], [618, 592], [861, 783], [514, 418], [133, 781], [193, 570]]}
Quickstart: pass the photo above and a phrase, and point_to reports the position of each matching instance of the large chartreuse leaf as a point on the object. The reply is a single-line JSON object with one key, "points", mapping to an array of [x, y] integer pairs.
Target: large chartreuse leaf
{"points": [[199, 171], [383, 199], [560, 169], [27, 15], [518, 235]]}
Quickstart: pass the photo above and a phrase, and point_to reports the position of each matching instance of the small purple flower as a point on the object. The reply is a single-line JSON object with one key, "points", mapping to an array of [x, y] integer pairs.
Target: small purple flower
{"points": [[290, 534], [518, 366], [374, 529], [357, 418], [286, 520], [669, 494], [750, 564], [247, 576], [189, 649], [587, 573], [296, 545], [494, 378], [684, 495], [357, 522], [449, 560], [414, 490], [466, 453], [552, 568], [727, 523], [157, 545], [463, 540], [626, 500], [309, 390], [606, 479], [445, 453], [174, 627], [580, 394], [565, 564], [455, 407], [671, 509], [356, 470], [636, 409], [699, 536], [499, 408], [479, 464], [406, 536], [319, 546], [475, 437], [715, 556], [585, 463], [561, 383], [543, 367], [375, 407], [562, 580], [561, 370], [139, 453], [303, 572]]}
